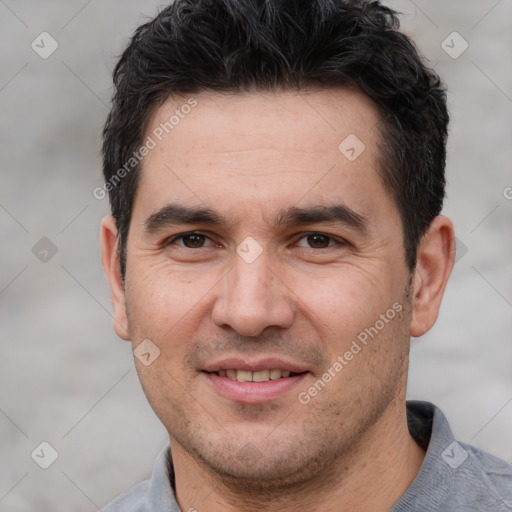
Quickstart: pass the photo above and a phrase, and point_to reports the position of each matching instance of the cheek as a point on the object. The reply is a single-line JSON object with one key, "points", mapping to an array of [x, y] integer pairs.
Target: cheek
{"points": [[344, 303], [164, 303]]}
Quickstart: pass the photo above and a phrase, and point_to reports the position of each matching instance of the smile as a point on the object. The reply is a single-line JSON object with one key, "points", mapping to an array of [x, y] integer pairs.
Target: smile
{"points": [[259, 376]]}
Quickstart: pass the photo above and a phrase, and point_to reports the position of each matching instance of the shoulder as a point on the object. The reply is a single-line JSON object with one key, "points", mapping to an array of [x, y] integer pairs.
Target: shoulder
{"points": [[153, 495], [454, 475], [134, 499], [487, 477]]}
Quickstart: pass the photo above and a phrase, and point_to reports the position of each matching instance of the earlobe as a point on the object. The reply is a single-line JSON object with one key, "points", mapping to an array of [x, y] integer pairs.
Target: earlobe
{"points": [[111, 266], [435, 259]]}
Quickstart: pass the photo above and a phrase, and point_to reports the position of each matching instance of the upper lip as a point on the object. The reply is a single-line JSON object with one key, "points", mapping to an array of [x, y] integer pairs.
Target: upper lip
{"points": [[267, 363]]}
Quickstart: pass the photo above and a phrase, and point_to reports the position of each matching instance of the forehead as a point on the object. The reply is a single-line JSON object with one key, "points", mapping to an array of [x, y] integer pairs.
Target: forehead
{"points": [[251, 119], [264, 149]]}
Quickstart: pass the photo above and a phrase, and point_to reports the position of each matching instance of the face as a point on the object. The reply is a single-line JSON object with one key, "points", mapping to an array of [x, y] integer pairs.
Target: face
{"points": [[267, 265]]}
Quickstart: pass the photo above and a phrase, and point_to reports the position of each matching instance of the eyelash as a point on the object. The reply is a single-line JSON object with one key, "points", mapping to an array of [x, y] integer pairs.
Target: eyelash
{"points": [[337, 241]]}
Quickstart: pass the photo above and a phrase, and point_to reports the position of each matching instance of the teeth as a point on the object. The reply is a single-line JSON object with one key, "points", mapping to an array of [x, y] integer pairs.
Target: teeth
{"points": [[260, 376], [275, 374], [243, 376]]}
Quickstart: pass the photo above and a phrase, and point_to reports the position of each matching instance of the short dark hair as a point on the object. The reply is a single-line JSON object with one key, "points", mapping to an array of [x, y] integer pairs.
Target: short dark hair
{"points": [[281, 45]]}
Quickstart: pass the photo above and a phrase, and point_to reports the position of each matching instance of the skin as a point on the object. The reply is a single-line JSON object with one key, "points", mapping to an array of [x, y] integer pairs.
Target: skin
{"points": [[248, 156]]}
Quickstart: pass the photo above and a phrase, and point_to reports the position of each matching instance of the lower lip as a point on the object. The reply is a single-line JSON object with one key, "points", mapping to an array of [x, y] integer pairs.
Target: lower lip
{"points": [[253, 392]]}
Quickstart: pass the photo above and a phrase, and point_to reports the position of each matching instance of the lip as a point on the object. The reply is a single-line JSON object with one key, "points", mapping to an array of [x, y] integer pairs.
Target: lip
{"points": [[267, 363], [253, 392]]}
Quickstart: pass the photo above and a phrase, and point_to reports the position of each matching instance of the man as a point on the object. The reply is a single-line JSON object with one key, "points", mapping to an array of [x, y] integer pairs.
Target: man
{"points": [[276, 175]]}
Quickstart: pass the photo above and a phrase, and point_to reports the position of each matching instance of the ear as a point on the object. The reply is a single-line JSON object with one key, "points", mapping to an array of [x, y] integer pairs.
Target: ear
{"points": [[435, 260], [112, 268]]}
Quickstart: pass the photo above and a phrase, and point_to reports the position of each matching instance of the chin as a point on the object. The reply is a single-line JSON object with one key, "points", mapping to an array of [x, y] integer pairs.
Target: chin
{"points": [[266, 467]]}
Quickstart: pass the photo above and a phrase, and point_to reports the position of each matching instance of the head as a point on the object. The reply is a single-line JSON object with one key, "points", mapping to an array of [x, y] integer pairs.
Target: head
{"points": [[303, 144], [234, 47]]}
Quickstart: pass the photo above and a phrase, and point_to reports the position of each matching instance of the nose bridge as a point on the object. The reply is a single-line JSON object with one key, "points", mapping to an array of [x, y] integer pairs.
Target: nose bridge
{"points": [[253, 281], [252, 298]]}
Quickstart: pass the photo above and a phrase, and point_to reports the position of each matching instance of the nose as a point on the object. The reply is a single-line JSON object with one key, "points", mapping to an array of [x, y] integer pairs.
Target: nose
{"points": [[251, 298]]}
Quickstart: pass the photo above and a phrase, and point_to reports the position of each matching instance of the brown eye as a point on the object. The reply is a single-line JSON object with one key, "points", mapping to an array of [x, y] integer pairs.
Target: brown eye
{"points": [[193, 241], [318, 241]]}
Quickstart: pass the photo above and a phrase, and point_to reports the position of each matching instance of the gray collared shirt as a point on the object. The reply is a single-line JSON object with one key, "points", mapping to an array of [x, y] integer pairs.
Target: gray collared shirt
{"points": [[453, 477]]}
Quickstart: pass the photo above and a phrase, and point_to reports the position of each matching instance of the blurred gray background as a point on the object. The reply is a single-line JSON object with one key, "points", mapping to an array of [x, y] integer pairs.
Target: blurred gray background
{"points": [[66, 379]]}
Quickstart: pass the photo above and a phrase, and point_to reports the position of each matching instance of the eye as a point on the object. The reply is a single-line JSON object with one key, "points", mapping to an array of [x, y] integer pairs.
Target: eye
{"points": [[319, 241], [195, 240], [191, 240]]}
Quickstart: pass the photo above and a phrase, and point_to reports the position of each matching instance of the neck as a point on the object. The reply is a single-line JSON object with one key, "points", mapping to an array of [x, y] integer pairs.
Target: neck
{"points": [[373, 475]]}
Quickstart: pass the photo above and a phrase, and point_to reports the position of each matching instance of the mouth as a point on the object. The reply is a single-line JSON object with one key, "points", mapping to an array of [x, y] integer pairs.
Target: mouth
{"points": [[259, 376], [257, 382]]}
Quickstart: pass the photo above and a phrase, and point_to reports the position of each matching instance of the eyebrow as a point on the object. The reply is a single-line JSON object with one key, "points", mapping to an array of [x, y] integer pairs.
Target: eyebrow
{"points": [[175, 214]]}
